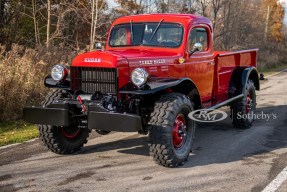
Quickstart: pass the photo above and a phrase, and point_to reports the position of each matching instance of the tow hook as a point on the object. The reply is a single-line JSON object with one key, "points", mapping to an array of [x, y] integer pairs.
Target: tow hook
{"points": [[84, 108], [83, 122]]}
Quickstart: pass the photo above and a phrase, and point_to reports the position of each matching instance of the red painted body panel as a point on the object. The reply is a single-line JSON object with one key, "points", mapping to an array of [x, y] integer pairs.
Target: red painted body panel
{"points": [[200, 66], [210, 71], [225, 63], [100, 59]]}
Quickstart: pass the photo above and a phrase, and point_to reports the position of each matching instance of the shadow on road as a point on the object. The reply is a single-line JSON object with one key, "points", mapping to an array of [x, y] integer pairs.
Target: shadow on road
{"points": [[218, 142]]}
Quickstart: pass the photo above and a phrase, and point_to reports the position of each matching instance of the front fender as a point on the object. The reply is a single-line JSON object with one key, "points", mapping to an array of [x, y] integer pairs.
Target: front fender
{"points": [[154, 85]]}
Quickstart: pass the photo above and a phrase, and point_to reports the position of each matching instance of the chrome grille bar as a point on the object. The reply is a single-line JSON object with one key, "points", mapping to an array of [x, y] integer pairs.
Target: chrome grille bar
{"points": [[90, 79]]}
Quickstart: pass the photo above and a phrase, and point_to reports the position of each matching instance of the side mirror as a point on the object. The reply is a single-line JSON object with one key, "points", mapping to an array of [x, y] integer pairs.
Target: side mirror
{"points": [[196, 47], [98, 46]]}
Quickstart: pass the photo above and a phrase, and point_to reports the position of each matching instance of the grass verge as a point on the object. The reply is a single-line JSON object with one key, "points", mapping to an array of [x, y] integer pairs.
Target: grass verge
{"points": [[16, 132], [270, 71]]}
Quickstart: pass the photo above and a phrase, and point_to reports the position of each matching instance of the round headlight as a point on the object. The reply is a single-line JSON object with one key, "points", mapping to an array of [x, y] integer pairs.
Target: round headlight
{"points": [[59, 72], [139, 76]]}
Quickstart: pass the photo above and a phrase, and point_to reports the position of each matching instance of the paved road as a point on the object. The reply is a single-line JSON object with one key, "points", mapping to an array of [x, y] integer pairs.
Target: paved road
{"points": [[223, 158]]}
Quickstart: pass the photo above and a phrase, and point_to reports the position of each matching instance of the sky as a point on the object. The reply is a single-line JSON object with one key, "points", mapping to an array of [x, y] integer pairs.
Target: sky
{"points": [[112, 4], [284, 2]]}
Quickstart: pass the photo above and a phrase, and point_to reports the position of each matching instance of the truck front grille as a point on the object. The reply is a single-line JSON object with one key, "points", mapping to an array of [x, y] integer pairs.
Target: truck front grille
{"points": [[90, 79]]}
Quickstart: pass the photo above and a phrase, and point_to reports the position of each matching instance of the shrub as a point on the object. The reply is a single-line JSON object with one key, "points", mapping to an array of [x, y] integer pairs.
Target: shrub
{"points": [[22, 72]]}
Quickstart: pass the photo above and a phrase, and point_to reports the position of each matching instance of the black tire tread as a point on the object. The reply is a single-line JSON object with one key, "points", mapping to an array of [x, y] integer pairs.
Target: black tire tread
{"points": [[160, 124], [239, 107], [48, 134]]}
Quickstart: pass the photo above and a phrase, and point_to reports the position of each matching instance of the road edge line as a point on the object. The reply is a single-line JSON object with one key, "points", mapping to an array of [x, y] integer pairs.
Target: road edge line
{"points": [[275, 73], [15, 144], [277, 182]]}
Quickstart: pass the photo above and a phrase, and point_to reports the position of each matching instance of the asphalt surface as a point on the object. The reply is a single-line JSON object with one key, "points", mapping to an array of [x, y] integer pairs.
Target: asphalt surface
{"points": [[223, 158]]}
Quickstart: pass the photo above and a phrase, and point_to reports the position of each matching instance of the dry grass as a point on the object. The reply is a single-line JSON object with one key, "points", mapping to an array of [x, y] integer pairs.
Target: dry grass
{"points": [[272, 57], [22, 72], [270, 71]]}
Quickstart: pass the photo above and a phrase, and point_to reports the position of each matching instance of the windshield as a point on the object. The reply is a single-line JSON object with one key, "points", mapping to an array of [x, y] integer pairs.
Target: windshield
{"points": [[147, 34]]}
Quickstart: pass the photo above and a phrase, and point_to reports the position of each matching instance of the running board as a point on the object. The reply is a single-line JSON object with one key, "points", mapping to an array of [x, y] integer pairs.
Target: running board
{"points": [[227, 102]]}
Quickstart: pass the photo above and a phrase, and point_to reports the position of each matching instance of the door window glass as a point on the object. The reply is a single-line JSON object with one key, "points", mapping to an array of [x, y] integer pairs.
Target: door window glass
{"points": [[198, 35]]}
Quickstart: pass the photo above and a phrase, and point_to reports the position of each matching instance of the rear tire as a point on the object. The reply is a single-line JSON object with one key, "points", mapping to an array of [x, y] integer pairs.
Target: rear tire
{"points": [[244, 108], [171, 131], [62, 140]]}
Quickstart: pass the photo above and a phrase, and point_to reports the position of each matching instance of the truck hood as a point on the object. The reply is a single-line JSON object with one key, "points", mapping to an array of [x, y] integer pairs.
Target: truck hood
{"points": [[123, 58], [99, 59]]}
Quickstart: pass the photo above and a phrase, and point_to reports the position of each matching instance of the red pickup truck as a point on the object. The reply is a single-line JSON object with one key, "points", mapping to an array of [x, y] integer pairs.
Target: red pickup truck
{"points": [[155, 70]]}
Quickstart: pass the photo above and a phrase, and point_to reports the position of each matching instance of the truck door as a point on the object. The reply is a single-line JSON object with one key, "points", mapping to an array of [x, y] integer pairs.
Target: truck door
{"points": [[200, 65]]}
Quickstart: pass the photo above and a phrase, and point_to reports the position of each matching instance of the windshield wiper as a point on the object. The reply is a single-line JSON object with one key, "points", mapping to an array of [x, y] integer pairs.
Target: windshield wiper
{"points": [[155, 30], [132, 33]]}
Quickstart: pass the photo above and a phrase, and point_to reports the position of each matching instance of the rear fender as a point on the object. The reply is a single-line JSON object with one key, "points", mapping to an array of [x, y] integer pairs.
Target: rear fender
{"points": [[239, 79], [250, 73]]}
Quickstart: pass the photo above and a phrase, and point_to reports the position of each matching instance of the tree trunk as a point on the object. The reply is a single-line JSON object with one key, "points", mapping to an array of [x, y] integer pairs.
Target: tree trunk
{"points": [[95, 23], [92, 25], [267, 22], [48, 23], [2, 10], [35, 22]]}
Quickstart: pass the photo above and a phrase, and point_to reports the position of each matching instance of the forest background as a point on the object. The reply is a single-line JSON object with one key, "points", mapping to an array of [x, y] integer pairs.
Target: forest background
{"points": [[36, 34]]}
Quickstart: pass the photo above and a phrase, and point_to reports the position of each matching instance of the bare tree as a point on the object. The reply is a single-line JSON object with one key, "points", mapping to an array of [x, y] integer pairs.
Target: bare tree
{"points": [[203, 5], [2, 12], [36, 30], [48, 23], [216, 5], [94, 14]]}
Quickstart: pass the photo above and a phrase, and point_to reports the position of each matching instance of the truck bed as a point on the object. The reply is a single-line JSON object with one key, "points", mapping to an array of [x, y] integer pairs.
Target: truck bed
{"points": [[225, 63]]}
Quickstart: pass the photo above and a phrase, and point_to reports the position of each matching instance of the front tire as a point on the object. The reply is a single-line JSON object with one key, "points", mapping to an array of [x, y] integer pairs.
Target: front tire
{"points": [[62, 140], [171, 131]]}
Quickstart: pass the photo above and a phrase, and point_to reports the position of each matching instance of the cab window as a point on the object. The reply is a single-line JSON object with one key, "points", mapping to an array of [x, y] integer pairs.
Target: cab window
{"points": [[198, 35], [147, 34], [121, 37]]}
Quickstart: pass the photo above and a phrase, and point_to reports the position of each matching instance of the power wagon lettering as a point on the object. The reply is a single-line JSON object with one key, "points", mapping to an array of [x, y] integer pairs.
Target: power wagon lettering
{"points": [[151, 62]]}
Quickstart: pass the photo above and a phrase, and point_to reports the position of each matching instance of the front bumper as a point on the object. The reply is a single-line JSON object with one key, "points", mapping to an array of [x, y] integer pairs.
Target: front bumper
{"points": [[97, 118], [108, 121], [47, 116]]}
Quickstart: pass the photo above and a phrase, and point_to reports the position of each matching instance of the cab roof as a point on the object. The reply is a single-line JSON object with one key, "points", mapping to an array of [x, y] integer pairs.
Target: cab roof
{"points": [[183, 19]]}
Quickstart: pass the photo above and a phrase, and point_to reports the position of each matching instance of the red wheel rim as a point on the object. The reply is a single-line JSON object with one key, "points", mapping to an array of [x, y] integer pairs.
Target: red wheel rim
{"points": [[179, 131], [70, 133], [248, 105]]}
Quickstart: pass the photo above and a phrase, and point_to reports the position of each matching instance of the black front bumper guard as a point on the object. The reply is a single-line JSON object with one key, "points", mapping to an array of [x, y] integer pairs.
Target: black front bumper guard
{"points": [[47, 116], [105, 121]]}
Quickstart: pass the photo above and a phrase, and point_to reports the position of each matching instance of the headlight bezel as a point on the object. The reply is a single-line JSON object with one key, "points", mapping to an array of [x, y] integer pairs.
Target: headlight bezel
{"points": [[62, 73], [139, 73]]}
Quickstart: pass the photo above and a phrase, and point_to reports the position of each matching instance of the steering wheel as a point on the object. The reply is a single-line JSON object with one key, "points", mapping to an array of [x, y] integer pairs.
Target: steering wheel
{"points": [[169, 43]]}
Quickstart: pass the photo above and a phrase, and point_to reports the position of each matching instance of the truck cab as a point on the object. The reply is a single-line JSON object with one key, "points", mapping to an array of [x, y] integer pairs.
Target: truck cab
{"points": [[155, 71]]}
